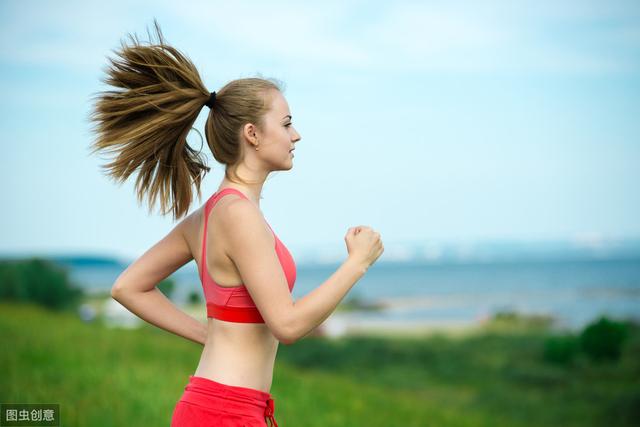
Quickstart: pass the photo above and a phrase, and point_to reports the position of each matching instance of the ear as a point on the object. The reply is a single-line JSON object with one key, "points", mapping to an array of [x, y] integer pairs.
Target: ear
{"points": [[250, 133]]}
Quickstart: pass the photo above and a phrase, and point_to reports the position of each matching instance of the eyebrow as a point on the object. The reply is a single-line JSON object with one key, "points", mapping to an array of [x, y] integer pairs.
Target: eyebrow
{"points": [[287, 116]]}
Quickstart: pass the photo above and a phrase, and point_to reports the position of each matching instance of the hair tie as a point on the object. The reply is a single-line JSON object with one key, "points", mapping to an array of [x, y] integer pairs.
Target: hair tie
{"points": [[211, 100]]}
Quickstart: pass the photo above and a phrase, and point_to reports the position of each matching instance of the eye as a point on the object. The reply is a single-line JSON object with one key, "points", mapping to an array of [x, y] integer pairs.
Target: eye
{"points": [[288, 124]]}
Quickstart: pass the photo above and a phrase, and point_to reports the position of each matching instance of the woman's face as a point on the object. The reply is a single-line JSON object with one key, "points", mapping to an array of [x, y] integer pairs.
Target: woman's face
{"points": [[278, 136]]}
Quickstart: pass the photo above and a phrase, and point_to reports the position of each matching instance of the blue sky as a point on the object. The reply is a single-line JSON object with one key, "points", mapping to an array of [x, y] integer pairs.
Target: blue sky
{"points": [[430, 121]]}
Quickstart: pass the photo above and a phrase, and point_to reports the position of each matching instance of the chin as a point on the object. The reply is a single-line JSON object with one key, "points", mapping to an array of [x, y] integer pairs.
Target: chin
{"points": [[289, 164], [284, 167]]}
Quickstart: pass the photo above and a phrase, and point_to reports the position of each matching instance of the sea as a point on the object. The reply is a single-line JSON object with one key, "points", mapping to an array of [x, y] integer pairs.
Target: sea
{"points": [[572, 292]]}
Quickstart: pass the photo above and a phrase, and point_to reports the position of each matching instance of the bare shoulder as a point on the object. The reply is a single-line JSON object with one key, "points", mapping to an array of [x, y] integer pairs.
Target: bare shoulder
{"points": [[235, 212]]}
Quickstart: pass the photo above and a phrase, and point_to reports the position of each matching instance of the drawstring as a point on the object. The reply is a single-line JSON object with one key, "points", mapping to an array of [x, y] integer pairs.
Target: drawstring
{"points": [[268, 412]]}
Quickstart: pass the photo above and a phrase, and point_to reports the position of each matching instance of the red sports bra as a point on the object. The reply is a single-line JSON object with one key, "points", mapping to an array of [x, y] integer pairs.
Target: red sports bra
{"points": [[234, 304]]}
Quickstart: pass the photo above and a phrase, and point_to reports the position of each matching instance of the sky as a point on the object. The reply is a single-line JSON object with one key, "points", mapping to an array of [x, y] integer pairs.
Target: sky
{"points": [[428, 121]]}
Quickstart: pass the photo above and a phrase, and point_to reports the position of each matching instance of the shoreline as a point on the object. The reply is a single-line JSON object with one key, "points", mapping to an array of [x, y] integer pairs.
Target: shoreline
{"points": [[365, 322]]}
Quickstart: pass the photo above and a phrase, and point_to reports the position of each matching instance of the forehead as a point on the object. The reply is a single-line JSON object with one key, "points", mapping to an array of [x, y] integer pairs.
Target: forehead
{"points": [[279, 104]]}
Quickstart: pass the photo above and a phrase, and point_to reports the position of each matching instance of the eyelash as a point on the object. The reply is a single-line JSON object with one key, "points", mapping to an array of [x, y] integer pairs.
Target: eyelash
{"points": [[288, 124]]}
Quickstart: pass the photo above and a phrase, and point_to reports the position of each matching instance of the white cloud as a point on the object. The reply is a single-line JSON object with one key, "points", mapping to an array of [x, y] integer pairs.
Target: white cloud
{"points": [[497, 36], [71, 34], [301, 33], [386, 37]]}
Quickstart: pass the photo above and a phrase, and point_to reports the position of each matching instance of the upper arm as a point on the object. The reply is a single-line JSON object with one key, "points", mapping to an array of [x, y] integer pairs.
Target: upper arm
{"points": [[157, 263], [252, 249]]}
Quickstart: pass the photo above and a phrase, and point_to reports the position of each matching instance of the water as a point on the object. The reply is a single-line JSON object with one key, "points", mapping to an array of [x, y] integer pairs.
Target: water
{"points": [[574, 292]]}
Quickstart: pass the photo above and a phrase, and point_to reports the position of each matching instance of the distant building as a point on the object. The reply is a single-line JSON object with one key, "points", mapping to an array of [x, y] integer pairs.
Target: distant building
{"points": [[117, 315]]}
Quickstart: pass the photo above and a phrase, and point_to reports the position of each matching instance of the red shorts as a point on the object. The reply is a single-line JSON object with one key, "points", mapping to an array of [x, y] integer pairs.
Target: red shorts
{"points": [[208, 403]]}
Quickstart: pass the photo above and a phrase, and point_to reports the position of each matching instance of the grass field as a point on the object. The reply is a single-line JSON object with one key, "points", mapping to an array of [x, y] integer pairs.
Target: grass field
{"points": [[495, 376]]}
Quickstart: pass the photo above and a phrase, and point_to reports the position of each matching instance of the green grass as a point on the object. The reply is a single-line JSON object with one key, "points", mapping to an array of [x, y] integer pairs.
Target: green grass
{"points": [[493, 377]]}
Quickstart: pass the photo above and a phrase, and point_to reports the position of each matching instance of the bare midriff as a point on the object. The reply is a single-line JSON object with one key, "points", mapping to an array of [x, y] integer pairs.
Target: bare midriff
{"points": [[239, 354]]}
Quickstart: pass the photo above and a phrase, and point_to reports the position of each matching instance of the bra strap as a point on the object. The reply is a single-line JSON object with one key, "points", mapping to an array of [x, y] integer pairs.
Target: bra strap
{"points": [[207, 209]]}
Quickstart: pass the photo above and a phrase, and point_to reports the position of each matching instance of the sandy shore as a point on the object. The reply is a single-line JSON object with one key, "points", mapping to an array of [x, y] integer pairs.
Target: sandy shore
{"points": [[337, 325], [344, 325]]}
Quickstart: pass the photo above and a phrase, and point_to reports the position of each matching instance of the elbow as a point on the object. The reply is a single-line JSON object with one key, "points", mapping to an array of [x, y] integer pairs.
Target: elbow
{"points": [[287, 334], [286, 339], [116, 291]]}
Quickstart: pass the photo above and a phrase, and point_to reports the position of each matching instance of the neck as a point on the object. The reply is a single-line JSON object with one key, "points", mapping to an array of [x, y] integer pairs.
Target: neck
{"points": [[252, 171], [252, 191]]}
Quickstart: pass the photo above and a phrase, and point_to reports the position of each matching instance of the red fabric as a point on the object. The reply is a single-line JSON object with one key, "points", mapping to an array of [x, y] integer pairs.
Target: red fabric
{"points": [[234, 314], [234, 304], [208, 403]]}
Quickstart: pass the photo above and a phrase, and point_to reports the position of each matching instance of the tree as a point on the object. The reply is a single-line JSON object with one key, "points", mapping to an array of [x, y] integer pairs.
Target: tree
{"points": [[39, 281]]}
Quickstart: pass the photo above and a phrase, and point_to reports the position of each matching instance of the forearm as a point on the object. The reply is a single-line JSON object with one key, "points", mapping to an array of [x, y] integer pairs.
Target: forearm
{"points": [[155, 308], [312, 309]]}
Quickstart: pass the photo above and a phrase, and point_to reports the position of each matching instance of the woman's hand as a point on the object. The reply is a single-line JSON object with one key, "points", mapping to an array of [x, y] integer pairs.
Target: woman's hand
{"points": [[364, 244]]}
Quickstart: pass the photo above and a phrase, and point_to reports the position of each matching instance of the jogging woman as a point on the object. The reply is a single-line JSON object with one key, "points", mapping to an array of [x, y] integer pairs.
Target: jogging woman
{"points": [[247, 273]]}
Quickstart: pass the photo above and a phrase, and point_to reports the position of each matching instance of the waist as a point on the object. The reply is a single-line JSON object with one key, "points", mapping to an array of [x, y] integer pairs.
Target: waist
{"points": [[245, 376], [237, 354]]}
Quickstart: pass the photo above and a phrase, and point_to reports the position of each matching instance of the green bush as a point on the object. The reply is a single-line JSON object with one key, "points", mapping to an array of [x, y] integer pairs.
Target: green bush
{"points": [[166, 287], [194, 298], [39, 281], [561, 349], [603, 339]]}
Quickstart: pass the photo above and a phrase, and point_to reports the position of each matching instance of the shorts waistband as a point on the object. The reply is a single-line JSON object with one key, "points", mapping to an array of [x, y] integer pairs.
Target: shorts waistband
{"points": [[215, 385], [228, 398]]}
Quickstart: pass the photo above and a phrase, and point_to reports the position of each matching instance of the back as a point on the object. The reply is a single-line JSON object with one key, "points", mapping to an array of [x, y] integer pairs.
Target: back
{"points": [[234, 303]]}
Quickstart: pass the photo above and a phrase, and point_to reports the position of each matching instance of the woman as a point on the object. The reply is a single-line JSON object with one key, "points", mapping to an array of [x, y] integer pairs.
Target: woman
{"points": [[247, 273]]}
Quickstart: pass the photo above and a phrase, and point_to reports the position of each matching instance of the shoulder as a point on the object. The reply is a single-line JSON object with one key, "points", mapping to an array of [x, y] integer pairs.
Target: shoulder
{"points": [[245, 231], [237, 214]]}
